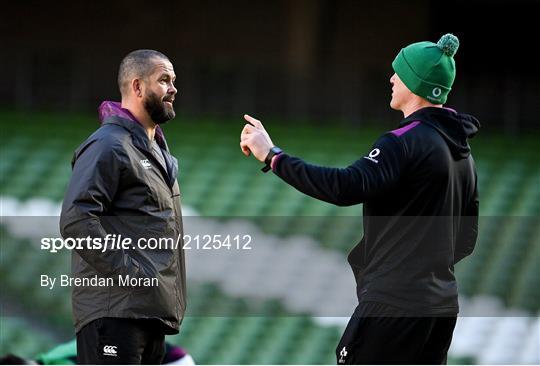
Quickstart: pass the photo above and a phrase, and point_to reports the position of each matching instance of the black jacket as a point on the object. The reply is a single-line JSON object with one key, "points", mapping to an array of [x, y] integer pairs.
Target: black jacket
{"points": [[419, 189], [119, 187]]}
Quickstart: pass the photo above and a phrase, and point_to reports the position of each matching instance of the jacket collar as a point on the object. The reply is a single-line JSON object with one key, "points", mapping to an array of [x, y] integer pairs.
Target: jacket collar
{"points": [[109, 109], [113, 113], [456, 128]]}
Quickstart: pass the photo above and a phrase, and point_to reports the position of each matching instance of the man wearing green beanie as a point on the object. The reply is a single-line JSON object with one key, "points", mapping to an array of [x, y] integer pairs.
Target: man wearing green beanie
{"points": [[427, 69], [418, 188]]}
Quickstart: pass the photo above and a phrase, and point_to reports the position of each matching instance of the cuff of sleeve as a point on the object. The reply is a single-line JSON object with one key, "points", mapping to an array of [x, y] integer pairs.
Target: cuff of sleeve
{"points": [[275, 159]]}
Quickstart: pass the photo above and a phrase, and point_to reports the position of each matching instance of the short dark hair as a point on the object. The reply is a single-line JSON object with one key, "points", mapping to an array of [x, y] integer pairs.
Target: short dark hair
{"points": [[137, 64]]}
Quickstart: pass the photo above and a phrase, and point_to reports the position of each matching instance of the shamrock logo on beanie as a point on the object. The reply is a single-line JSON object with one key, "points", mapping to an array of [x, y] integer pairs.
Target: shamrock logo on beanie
{"points": [[428, 69]]}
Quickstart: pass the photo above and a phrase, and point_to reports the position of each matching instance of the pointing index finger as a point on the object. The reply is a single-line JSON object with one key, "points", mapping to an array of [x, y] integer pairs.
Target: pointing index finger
{"points": [[252, 121]]}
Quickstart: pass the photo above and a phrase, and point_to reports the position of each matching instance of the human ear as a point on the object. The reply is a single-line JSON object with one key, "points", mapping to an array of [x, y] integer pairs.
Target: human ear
{"points": [[136, 87]]}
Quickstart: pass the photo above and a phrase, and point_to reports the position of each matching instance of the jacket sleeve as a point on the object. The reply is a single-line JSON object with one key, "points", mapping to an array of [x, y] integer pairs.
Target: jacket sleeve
{"points": [[364, 179], [93, 185], [468, 232]]}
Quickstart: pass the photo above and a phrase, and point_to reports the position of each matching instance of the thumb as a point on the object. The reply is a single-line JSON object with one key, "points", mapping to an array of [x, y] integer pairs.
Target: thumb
{"points": [[245, 149]]}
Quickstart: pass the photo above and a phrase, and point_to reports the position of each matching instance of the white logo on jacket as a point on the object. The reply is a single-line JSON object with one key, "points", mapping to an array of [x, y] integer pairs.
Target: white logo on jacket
{"points": [[146, 164], [342, 355], [109, 351], [374, 153]]}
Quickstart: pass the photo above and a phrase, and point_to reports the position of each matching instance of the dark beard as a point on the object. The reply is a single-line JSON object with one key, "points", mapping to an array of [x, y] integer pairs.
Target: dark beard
{"points": [[157, 109]]}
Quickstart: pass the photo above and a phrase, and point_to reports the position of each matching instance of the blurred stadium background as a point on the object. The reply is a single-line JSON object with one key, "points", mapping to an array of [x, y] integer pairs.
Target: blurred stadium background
{"points": [[316, 72]]}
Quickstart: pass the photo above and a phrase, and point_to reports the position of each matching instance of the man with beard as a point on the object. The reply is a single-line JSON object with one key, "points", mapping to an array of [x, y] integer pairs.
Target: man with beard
{"points": [[124, 183]]}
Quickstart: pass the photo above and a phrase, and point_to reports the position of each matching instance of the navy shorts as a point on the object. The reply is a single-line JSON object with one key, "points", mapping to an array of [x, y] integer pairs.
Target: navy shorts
{"points": [[382, 334]]}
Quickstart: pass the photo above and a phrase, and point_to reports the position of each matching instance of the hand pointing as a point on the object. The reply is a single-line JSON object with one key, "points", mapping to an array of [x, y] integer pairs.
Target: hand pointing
{"points": [[254, 139]]}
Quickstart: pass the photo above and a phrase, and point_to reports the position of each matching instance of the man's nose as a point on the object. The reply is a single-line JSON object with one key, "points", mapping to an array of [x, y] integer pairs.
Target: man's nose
{"points": [[172, 89]]}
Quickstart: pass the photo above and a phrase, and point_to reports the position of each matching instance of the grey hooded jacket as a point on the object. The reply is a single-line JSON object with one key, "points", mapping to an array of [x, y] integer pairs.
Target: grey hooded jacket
{"points": [[119, 187]]}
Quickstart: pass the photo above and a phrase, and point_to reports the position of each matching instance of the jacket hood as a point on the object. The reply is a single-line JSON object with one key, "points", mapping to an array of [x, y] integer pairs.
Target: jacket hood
{"points": [[456, 128], [109, 109]]}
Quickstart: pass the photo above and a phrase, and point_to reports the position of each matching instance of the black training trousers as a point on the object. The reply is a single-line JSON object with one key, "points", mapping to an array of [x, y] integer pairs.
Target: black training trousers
{"points": [[120, 341], [382, 334]]}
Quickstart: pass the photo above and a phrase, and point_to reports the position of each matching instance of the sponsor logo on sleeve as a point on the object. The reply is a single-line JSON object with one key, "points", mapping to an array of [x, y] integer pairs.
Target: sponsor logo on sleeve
{"points": [[372, 155]]}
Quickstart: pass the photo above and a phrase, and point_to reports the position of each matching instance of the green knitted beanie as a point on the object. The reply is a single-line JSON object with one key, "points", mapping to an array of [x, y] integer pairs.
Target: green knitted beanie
{"points": [[428, 69]]}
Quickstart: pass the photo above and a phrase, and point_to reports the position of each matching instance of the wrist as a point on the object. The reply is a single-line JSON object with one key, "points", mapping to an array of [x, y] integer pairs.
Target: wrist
{"points": [[274, 161], [274, 151]]}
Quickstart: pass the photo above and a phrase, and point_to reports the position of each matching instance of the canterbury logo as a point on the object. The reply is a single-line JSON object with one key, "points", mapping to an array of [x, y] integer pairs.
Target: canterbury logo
{"points": [[109, 351], [146, 164]]}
